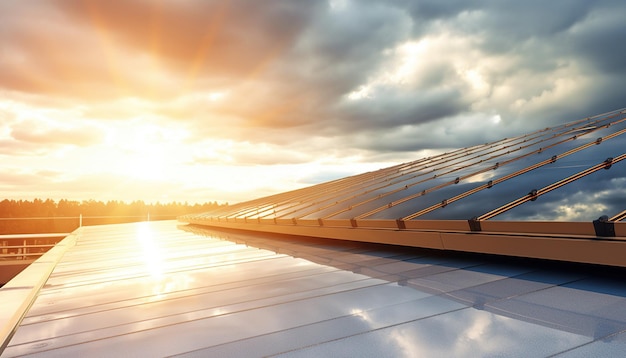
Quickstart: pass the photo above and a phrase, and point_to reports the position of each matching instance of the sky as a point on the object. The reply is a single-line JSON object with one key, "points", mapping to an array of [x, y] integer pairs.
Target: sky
{"points": [[227, 101]]}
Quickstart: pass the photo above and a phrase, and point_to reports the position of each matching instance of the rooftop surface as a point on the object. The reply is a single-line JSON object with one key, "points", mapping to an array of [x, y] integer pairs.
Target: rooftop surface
{"points": [[167, 289]]}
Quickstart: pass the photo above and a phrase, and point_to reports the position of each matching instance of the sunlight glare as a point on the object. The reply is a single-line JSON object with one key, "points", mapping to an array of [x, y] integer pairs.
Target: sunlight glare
{"points": [[216, 96], [410, 54], [150, 251], [141, 149], [476, 80]]}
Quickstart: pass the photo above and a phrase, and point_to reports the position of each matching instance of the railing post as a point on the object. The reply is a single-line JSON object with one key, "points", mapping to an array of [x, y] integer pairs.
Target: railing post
{"points": [[80, 220]]}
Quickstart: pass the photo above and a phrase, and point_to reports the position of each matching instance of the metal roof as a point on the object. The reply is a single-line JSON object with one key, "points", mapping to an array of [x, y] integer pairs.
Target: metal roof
{"points": [[565, 185], [155, 289]]}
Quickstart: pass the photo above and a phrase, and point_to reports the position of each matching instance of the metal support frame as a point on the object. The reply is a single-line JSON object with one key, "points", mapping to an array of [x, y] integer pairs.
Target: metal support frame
{"points": [[543, 243], [619, 217]]}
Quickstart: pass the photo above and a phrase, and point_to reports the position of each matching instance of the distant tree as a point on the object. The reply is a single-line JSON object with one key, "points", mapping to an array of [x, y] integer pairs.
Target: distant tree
{"points": [[62, 216]]}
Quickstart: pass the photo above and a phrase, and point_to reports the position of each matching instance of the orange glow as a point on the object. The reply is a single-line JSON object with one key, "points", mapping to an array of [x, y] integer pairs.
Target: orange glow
{"points": [[206, 44], [156, 102]]}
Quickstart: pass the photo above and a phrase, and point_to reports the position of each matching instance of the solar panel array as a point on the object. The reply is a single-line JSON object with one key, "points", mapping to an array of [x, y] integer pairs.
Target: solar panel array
{"points": [[487, 181], [571, 173]]}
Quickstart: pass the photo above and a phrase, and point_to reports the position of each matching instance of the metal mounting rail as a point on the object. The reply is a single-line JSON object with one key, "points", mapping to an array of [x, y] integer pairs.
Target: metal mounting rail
{"points": [[619, 217]]}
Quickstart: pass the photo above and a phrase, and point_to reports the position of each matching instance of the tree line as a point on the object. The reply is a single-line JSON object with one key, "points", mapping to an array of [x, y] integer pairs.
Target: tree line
{"points": [[50, 216]]}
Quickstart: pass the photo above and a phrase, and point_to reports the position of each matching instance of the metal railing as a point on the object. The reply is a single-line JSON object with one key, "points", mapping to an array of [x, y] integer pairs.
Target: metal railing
{"points": [[27, 246]]}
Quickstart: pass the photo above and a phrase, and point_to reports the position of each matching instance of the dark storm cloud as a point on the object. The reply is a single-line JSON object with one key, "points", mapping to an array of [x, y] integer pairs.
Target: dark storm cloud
{"points": [[543, 38], [406, 108], [431, 10], [343, 48], [507, 24], [599, 39], [315, 69]]}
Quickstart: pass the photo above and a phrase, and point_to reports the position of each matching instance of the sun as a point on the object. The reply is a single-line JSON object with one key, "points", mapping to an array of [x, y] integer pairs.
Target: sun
{"points": [[144, 150], [147, 164]]}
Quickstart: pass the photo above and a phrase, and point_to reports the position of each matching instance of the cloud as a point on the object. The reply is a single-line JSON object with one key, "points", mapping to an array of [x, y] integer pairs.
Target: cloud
{"points": [[295, 64], [91, 49], [247, 154], [34, 133], [285, 83], [10, 180]]}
